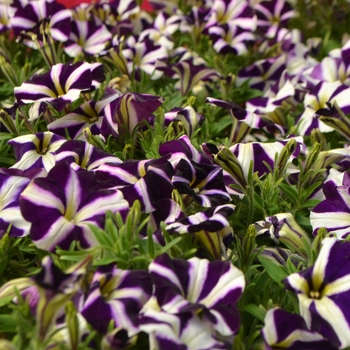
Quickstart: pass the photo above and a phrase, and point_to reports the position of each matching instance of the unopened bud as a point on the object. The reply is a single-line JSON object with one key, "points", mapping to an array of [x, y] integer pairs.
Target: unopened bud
{"points": [[228, 161], [285, 154]]}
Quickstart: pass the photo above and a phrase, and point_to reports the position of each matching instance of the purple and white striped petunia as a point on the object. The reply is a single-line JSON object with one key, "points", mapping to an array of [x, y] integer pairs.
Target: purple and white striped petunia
{"points": [[142, 55], [197, 285], [230, 38], [211, 227], [333, 213], [62, 206], [283, 330], [126, 111], [190, 74], [323, 291], [11, 186], [201, 182], [36, 151], [27, 18], [283, 228], [317, 99], [273, 14], [237, 12], [260, 152], [187, 117], [87, 37], [185, 331], [58, 87], [163, 27], [81, 154], [137, 179], [117, 295], [263, 73]]}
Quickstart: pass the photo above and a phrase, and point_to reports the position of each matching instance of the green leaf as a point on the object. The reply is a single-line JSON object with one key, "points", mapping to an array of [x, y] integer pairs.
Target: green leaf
{"points": [[276, 272], [255, 311]]}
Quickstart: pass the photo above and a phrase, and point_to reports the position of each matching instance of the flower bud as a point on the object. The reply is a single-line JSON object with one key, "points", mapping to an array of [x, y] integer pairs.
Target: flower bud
{"points": [[228, 161]]}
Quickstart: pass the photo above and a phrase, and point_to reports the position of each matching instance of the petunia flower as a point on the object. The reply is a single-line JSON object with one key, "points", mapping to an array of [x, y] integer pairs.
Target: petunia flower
{"points": [[197, 285], [29, 17], [333, 213], [260, 152], [82, 155], [136, 180], [204, 183], [263, 73], [211, 227], [90, 114], [184, 331], [36, 151], [190, 74], [62, 206], [142, 55], [187, 118], [316, 99], [87, 37], [11, 186], [126, 111], [163, 27], [323, 292], [272, 15], [230, 38], [237, 12], [283, 228], [117, 295], [58, 87], [283, 330]]}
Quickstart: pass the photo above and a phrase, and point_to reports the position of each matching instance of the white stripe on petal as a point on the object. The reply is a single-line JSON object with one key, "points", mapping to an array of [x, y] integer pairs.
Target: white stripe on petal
{"points": [[331, 313], [232, 279], [197, 277]]}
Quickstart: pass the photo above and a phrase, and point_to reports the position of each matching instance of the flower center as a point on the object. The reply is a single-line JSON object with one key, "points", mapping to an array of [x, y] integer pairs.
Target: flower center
{"points": [[315, 294]]}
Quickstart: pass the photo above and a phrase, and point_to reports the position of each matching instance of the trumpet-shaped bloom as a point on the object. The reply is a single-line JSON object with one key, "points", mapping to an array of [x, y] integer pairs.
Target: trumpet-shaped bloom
{"points": [[80, 154], [333, 213], [195, 285], [323, 291], [137, 179], [87, 37], [125, 112], [11, 186], [283, 228], [36, 151], [317, 99], [63, 205], [185, 331], [204, 183], [260, 152], [229, 38], [284, 330], [27, 18], [58, 87], [142, 55], [210, 227], [118, 295]]}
